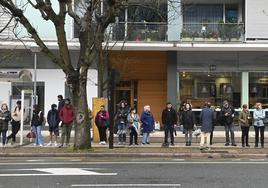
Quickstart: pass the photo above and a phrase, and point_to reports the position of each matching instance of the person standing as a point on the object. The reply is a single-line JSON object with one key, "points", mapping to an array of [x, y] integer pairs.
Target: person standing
{"points": [[258, 116], [227, 116], [207, 118], [169, 120], [67, 118], [15, 122], [121, 121], [133, 124], [102, 122], [5, 117], [214, 123], [244, 122], [53, 120], [147, 120], [188, 123], [61, 102], [36, 124]]}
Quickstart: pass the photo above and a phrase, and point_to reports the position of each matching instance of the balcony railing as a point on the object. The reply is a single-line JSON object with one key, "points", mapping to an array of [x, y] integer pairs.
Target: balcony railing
{"points": [[209, 32], [139, 32]]}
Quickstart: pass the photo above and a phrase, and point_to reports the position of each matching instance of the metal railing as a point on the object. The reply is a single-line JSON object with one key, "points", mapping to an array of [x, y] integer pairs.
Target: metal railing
{"points": [[139, 31], [225, 32]]}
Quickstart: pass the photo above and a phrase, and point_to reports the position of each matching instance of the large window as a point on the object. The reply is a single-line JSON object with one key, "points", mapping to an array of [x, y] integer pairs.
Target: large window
{"points": [[200, 87], [258, 88]]}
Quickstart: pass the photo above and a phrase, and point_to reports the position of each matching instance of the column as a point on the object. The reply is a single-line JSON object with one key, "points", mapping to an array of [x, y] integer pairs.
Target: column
{"points": [[245, 88], [174, 20], [172, 77]]}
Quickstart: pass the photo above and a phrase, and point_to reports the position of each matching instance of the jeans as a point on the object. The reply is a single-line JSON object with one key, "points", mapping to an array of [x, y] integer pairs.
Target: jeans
{"points": [[38, 138], [257, 130], [169, 129], [229, 128], [4, 136], [102, 133], [15, 127], [122, 132], [188, 135], [146, 138], [244, 137], [66, 132], [205, 139], [133, 133]]}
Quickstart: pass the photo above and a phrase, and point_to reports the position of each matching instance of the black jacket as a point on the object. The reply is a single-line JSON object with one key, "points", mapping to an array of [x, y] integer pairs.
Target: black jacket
{"points": [[169, 117], [53, 118], [37, 119], [121, 115], [227, 115], [187, 119]]}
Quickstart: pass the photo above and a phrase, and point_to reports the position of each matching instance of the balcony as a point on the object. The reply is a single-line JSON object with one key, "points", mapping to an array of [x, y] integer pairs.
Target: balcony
{"points": [[139, 32], [212, 32]]}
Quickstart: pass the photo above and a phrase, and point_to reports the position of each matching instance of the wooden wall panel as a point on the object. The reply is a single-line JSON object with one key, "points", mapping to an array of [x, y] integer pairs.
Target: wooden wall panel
{"points": [[135, 65], [153, 93]]}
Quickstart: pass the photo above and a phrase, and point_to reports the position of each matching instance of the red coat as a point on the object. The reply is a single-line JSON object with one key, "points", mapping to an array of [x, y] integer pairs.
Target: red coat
{"points": [[67, 114]]}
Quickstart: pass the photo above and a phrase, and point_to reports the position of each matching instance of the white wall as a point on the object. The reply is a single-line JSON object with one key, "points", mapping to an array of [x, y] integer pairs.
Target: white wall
{"points": [[54, 85], [5, 88]]}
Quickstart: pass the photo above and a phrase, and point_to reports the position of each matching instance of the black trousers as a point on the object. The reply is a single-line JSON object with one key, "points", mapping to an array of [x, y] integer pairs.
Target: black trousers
{"points": [[211, 134], [257, 130], [133, 134], [102, 133], [15, 127], [244, 137]]}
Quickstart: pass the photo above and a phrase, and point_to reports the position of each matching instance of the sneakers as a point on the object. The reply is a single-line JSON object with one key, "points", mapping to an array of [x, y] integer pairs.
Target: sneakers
{"points": [[102, 143], [49, 144], [41, 145], [55, 144]]}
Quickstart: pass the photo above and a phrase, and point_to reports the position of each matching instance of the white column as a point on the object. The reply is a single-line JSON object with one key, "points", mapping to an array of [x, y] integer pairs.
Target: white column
{"points": [[245, 88], [174, 20]]}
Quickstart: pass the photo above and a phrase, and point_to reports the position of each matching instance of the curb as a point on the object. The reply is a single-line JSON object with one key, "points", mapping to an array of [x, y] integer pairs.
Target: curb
{"points": [[144, 155]]}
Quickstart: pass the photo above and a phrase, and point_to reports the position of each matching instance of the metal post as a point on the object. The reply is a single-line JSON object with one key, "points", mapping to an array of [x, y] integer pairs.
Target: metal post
{"points": [[111, 109], [35, 75], [22, 119]]}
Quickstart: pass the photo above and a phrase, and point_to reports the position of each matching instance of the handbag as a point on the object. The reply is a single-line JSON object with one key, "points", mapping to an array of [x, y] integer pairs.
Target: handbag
{"points": [[30, 134], [106, 123]]}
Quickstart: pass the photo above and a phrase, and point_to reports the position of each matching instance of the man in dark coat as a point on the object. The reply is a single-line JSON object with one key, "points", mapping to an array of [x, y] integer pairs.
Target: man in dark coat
{"points": [[207, 118], [227, 116], [169, 120]]}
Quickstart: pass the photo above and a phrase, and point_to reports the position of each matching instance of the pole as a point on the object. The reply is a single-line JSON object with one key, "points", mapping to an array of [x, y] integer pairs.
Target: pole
{"points": [[111, 109], [35, 66], [22, 119]]}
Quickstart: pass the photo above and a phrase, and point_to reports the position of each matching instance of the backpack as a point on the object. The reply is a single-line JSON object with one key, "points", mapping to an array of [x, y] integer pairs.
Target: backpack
{"points": [[44, 119]]}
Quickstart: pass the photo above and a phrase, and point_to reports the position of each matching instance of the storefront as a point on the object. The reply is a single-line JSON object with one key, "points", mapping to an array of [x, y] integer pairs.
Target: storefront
{"points": [[239, 77]]}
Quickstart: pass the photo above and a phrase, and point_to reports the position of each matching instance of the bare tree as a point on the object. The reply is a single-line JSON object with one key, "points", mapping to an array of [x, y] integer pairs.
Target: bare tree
{"points": [[92, 18]]}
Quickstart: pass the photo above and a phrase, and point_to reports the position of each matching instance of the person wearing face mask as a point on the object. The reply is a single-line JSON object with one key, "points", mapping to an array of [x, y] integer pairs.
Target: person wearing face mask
{"points": [[244, 122], [169, 120], [5, 117], [259, 127], [227, 115], [67, 118], [188, 123], [53, 120]]}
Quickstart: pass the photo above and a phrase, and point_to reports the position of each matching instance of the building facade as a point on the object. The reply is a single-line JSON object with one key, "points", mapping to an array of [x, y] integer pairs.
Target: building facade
{"points": [[194, 50]]}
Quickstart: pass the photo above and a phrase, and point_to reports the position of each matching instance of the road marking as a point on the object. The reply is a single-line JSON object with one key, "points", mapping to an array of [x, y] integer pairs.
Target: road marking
{"points": [[59, 172], [142, 162], [126, 185]]}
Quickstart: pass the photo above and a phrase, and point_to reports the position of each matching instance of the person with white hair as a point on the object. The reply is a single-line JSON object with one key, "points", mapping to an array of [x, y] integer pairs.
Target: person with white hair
{"points": [[147, 121]]}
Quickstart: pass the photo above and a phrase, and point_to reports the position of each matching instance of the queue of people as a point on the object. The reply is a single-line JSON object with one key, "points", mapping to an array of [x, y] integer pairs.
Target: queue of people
{"points": [[127, 121]]}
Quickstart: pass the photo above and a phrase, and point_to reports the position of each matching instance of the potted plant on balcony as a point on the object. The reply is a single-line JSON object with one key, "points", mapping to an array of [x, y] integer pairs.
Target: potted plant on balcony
{"points": [[186, 36]]}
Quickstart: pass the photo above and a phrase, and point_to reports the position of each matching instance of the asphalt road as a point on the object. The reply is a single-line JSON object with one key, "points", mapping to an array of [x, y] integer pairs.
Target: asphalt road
{"points": [[76, 172]]}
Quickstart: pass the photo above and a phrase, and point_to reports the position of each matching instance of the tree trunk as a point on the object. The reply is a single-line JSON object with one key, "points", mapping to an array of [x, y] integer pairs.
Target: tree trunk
{"points": [[82, 138]]}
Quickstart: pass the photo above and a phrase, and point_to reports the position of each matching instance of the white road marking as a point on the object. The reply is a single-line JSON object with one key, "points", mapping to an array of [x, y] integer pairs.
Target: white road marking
{"points": [[59, 172], [126, 185]]}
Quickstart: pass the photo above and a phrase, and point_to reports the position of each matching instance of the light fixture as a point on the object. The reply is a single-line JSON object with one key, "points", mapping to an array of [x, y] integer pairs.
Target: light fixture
{"points": [[204, 89]]}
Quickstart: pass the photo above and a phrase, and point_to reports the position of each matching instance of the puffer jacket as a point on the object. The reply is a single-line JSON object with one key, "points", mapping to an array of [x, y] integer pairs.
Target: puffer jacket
{"points": [[4, 122], [147, 121], [67, 114]]}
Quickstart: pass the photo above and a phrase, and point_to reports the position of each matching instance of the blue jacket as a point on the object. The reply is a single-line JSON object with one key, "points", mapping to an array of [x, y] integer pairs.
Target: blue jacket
{"points": [[207, 118], [147, 121]]}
